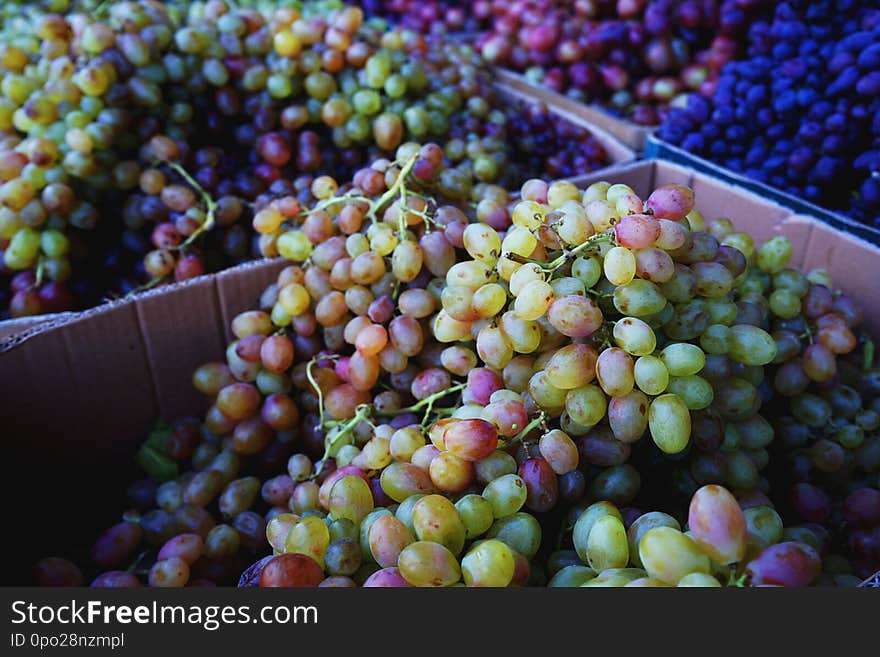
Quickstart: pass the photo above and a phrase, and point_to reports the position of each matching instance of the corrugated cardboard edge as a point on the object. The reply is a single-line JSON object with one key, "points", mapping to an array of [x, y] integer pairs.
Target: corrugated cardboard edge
{"points": [[657, 148], [631, 135]]}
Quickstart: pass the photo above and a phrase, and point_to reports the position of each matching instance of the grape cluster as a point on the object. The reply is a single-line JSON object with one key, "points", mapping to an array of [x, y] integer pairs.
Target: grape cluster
{"points": [[635, 57], [178, 120], [433, 16], [800, 111], [437, 392]]}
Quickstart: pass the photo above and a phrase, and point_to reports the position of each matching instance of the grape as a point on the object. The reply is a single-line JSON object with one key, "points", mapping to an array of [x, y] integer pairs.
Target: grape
{"points": [[425, 563], [388, 536], [607, 545], [521, 532], [669, 555], [717, 524], [488, 563], [784, 564], [436, 519], [670, 423]]}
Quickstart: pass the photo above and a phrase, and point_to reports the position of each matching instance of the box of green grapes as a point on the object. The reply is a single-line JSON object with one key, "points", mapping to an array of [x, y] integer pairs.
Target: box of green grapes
{"points": [[761, 319]]}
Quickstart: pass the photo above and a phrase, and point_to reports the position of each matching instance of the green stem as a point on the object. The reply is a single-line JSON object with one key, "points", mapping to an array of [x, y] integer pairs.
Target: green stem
{"points": [[208, 224], [531, 426], [868, 355], [362, 413], [399, 187], [429, 401], [315, 385], [567, 256], [146, 286]]}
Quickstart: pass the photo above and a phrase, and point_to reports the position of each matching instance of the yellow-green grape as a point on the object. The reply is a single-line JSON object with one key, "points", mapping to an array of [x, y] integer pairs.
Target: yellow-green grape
{"points": [[638, 298], [497, 464], [523, 276], [620, 265], [573, 228], [572, 366], [294, 299], [642, 525], [670, 423], [524, 335], [506, 494], [669, 555], [571, 576], [751, 345], [406, 261], [584, 525], [634, 336], [520, 241], [683, 358], [586, 405], [436, 519], [615, 578], [607, 545], [528, 214], [489, 564], [476, 514], [489, 300], [764, 526], [294, 245], [404, 442], [598, 191], [23, 248], [560, 192], [774, 254], [382, 239], [521, 532], [309, 536], [482, 243], [587, 270], [651, 375], [471, 273], [448, 329], [695, 391], [614, 192], [351, 498], [701, 580], [425, 563], [278, 528], [533, 300], [54, 243]]}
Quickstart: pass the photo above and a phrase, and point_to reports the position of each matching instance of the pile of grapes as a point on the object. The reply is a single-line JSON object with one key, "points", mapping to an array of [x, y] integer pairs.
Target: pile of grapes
{"points": [[432, 16], [571, 387], [635, 57], [135, 140], [802, 111]]}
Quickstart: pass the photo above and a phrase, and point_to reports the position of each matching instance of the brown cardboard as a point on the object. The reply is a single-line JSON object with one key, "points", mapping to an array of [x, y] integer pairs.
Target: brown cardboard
{"points": [[630, 134]]}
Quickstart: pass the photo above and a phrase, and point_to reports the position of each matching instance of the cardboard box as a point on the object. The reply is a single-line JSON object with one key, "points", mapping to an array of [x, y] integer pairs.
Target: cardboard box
{"points": [[630, 134], [656, 148], [80, 393]]}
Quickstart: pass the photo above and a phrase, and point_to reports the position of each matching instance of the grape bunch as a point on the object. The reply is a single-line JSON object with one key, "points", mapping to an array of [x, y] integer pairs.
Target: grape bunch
{"points": [[634, 57], [436, 392], [175, 121], [800, 111], [432, 17]]}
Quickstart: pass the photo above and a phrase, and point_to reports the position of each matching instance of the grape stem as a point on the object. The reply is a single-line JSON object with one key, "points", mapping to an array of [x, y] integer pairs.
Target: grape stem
{"points": [[314, 384], [429, 401], [531, 426], [567, 256], [206, 225], [868, 355], [362, 413]]}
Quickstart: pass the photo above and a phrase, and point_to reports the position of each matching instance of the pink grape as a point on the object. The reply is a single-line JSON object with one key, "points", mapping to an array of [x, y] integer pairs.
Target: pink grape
{"points": [[671, 202], [542, 486], [637, 231], [471, 439], [718, 524], [387, 578], [575, 316], [787, 564], [861, 508]]}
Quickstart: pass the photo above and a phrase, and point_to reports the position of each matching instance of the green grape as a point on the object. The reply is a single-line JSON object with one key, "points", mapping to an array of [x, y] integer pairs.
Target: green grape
{"points": [[651, 375], [682, 359], [634, 336], [428, 564], [506, 494], [670, 423], [520, 531], [309, 536], [751, 345], [436, 519], [615, 577], [694, 391], [639, 298], [586, 405], [669, 555], [607, 545], [351, 498], [585, 522], [489, 564], [571, 576], [476, 514], [620, 266]]}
